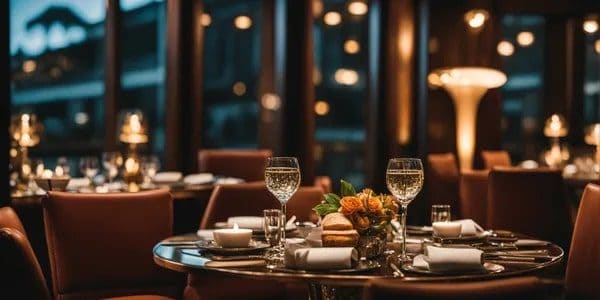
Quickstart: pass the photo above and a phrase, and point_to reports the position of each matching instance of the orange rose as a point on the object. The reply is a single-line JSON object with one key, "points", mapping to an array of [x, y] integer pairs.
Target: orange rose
{"points": [[374, 205], [390, 203], [350, 205]]}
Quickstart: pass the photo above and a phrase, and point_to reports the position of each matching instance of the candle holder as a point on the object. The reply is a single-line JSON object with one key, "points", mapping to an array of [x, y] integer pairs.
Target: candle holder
{"points": [[466, 86], [25, 131], [133, 133], [555, 128]]}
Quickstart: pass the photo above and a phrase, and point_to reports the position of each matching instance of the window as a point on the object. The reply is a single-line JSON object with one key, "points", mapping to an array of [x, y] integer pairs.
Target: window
{"points": [[143, 65], [523, 114], [57, 69], [340, 77], [231, 72]]}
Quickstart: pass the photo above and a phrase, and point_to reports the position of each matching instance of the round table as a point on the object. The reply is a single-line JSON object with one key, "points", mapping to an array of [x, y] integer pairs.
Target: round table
{"points": [[172, 256]]}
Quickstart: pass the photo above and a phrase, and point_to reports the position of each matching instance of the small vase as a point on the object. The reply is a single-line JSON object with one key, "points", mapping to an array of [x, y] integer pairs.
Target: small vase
{"points": [[371, 246]]}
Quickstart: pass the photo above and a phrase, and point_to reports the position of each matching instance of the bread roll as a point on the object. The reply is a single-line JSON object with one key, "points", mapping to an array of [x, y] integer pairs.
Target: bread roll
{"points": [[339, 238], [336, 221]]}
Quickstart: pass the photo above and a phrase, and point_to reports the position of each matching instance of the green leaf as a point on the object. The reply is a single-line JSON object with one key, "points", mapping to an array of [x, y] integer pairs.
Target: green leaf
{"points": [[332, 199], [347, 189], [324, 209]]}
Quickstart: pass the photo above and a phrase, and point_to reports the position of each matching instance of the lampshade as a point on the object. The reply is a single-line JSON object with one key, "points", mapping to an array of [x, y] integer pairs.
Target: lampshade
{"points": [[556, 126], [25, 130], [133, 130], [592, 134], [466, 86]]}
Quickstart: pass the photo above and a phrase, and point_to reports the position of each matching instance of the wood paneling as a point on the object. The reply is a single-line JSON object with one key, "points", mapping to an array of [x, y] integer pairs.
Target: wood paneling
{"points": [[112, 76], [5, 100]]}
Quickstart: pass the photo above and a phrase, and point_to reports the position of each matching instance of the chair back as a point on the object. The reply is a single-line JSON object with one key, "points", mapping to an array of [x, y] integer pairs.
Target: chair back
{"points": [[20, 269], [442, 180], [100, 245], [493, 159], [512, 288], [529, 201], [473, 195], [245, 164], [302, 203], [583, 267], [244, 199]]}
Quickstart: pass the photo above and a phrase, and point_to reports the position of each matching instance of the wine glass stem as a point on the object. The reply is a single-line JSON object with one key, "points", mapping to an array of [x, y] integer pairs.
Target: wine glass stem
{"points": [[283, 220], [403, 209]]}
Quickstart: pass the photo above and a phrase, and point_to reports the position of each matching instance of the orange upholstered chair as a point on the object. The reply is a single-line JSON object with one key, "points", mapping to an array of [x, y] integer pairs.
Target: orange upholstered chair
{"points": [[525, 288], [245, 164], [473, 195], [529, 201], [302, 203], [583, 267], [100, 245], [324, 182], [21, 272], [493, 159], [442, 180]]}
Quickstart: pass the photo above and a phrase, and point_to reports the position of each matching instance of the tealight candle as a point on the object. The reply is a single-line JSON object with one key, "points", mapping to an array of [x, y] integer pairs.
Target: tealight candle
{"points": [[233, 237], [447, 229]]}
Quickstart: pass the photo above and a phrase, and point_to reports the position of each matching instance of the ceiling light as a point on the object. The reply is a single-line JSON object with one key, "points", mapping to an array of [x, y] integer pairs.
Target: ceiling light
{"points": [[505, 48], [351, 46], [332, 18], [525, 38], [242, 22], [475, 18], [358, 8], [590, 26], [205, 20], [321, 108]]}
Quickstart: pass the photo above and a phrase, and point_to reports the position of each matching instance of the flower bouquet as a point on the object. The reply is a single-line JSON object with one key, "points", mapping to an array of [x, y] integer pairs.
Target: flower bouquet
{"points": [[370, 214]]}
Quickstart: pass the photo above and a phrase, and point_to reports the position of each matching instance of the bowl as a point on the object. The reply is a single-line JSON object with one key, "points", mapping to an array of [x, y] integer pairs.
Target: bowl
{"points": [[54, 183]]}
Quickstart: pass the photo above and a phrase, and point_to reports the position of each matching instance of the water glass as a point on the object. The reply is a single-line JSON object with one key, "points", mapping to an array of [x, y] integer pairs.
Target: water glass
{"points": [[150, 166], [89, 167], [112, 161], [440, 213], [272, 222]]}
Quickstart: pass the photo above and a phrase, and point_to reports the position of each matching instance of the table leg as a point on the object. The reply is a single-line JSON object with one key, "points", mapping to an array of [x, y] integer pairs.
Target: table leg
{"points": [[327, 292]]}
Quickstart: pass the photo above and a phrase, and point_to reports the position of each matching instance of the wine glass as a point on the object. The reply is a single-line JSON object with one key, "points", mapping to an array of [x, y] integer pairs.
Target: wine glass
{"points": [[89, 167], [282, 177], [112, 161], [150, 166], [404, 178]]}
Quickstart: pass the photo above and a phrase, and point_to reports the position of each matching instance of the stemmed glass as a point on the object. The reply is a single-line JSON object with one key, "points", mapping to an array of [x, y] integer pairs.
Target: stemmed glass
{"points": [[89, 168], [150, 166], [282, 177], [112, 161], [404, 178]]}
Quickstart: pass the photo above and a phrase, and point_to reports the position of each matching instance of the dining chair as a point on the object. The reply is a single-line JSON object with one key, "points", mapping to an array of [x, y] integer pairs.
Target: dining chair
{"points": [[324, 182], [248, 165], [511, 288], [20, 269], [473, 195], [499, 158], [100, 245], [442, 180], [583, 266], [250, 199], [529, 201]]}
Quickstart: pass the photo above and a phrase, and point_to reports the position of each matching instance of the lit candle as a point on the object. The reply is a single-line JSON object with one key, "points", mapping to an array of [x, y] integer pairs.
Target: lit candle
{"points": [[233, 238], [447, 229]]}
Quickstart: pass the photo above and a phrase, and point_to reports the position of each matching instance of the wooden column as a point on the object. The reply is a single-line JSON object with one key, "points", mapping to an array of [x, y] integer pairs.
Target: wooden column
{"points": [[269, 127], [112, 80], [564, 72], [178, 126], [196, 85], [5, 103], [294, 65]]}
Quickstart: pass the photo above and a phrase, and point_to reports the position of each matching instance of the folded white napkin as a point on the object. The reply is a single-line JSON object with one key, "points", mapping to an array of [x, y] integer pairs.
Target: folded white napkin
{"points": [[299, 257], [469, 227], [77, 183], [440, 259], [530, 243], [167, 177], [229, 180], [201, 178], [250, 222]]}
